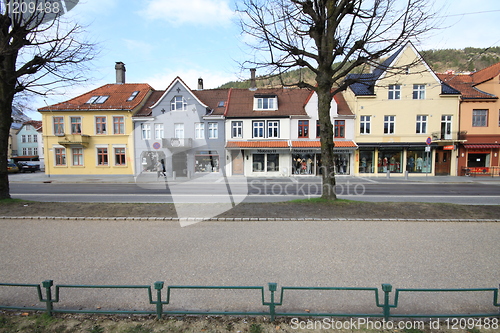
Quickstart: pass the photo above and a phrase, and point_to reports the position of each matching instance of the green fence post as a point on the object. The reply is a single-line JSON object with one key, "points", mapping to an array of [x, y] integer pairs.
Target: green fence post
{"points": [[159, 304], [386, 288], [47, 284], [272, 307]]}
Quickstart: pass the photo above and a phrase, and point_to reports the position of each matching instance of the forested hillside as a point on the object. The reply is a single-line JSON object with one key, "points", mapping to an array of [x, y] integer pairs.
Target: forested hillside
{"points": [[466, 60]]}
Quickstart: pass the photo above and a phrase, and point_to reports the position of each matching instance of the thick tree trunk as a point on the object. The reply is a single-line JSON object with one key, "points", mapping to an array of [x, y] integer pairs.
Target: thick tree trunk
{"points": [[5, 122], [327, 144]]}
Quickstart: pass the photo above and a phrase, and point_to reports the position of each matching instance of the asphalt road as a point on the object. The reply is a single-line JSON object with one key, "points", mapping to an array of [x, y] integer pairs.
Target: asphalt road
{"points": [[261, 190], [328, 254]]}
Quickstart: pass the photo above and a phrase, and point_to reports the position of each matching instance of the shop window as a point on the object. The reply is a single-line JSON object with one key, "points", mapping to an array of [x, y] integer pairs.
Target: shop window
{"points": [[418, 161], [303, 164], [366, 161], [273, 162], [303, 129], [206, 161], [258, 162], [478, 160], [341, 163], [390, 160]]}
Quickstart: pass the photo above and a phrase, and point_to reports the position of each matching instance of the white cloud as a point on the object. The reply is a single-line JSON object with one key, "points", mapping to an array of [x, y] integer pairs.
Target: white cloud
{"points": [[199, 12]]}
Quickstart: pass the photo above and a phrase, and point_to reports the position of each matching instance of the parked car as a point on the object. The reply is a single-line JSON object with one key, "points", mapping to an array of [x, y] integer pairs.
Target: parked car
{"points": [[28, 167], [12, 168]]}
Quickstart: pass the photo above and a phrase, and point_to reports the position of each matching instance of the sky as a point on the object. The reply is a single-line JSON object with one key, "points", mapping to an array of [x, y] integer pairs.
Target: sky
{"points": [[161, 39]]}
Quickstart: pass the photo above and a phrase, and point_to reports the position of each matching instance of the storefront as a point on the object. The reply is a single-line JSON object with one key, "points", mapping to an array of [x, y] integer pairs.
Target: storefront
{"points": [[375, 158], [479, 158]]}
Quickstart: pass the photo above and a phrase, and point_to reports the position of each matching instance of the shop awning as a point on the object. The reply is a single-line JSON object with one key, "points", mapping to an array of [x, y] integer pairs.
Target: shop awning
{"points": [[317, 144], [256, 144], [483, 146]]}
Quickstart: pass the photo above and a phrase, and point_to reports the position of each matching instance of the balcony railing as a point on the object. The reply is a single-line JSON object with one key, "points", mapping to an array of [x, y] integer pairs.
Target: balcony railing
{"points": [[74, 139], [452, 136], [176, 143]]}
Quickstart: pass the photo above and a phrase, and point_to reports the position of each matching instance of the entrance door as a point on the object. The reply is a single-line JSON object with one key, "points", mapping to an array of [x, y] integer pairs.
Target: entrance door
{"points": [[237, 162], [179, 164], [443, 162]]}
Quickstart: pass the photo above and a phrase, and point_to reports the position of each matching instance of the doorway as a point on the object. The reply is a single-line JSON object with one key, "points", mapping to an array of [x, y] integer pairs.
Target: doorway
{"points": [[237, 162], [179, 164], [443, 162]]}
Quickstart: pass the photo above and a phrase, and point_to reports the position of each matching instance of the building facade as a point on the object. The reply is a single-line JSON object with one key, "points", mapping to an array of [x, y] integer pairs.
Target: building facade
{"points": [[406, 121], [479, 119], [178, 133], [92, 133], [27, 138]]}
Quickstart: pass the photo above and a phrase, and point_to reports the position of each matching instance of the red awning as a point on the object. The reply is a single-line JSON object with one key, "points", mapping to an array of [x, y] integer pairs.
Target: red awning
{"points": [[257, 144], [483, 146]]}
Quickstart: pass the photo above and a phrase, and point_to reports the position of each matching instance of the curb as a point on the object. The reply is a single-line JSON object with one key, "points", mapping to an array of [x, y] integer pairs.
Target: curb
{"points": [[237, 219]]}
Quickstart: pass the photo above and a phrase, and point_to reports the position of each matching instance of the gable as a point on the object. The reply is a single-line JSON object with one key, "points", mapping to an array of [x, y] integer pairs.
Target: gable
{"points": [[177, 88]]}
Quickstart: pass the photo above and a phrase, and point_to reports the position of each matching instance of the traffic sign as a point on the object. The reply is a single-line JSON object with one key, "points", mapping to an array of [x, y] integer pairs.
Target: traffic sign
{"points": [[428, 141]]}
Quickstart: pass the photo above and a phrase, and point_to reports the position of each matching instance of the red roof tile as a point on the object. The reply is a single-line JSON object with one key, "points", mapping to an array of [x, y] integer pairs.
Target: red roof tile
{"points": [[215, 99], [317, 144], [257, 144], [466, 83], [118, 95], [290, 102]]}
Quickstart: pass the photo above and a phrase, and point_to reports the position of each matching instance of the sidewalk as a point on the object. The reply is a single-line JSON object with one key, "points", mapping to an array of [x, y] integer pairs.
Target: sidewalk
{"points": [[40, 177]]}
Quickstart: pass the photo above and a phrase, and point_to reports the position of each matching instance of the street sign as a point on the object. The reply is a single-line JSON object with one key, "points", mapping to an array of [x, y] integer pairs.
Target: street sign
{"points": [[156, 145], [428, 141]]}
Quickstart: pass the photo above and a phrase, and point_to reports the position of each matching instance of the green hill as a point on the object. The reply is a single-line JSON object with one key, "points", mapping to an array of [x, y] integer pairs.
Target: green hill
{"points": [[469, 59]]}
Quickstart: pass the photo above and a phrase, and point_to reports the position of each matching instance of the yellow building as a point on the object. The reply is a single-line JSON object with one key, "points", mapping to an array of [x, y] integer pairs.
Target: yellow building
{"points": [[92, 133], [398, 107]]}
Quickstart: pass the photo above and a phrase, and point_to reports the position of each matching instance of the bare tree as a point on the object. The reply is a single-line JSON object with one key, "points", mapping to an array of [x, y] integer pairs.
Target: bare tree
{"points": [[331, 38], [38, 53]]}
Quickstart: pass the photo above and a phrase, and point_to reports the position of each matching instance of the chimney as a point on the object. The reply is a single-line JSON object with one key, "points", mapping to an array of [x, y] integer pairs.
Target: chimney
{"points": [[120, 72], [253, 84], [200, 84]]}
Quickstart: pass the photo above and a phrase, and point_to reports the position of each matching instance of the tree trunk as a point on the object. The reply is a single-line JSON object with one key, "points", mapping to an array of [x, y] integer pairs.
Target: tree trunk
{"points": [[327, 144], [5, 122]]}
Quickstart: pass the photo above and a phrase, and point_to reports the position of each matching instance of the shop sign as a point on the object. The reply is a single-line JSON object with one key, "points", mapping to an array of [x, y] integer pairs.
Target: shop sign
{"points": [[305, 151], [450, 147], [271, 151]]}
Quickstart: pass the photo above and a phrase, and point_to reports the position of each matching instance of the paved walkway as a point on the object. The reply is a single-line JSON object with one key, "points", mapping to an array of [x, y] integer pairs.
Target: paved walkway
{"points": [[291, 253]]}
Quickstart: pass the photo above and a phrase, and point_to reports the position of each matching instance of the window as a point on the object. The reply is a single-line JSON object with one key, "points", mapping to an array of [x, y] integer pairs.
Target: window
{"points": [[419, 91], [221, 104], [58, 125], [97, 99], [265, 162], [134, 94], [120, 156], [394, 91], [35, 138], [100, 125], [60, 154], [236, 129], [35, 151], [479, 118], [273, 162], [303, 129], [178, 103], [179, 131], [339, 129], [25, 151], [258, 128], [159, 132], [199, 130], [421, 124], [258, 162], [213, 130], [266, 103], [364, 124], [102, 156], [318, 129], [146, 131], [389, 124], [76, 125], [273, 129], [77, 154], [118, 125], [23, 138], [30, 138]]}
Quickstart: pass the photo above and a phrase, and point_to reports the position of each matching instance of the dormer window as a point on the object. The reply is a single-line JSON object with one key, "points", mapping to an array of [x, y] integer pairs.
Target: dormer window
{"points": [[97, 99], [265, 102], [134, 94], [178, 103]]}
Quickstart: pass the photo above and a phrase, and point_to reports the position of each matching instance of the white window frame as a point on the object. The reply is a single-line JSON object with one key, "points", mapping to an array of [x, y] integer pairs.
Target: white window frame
{"points": [[365, 124], [237, 129], [146, 131], [266, 103], [159, 132], [213, 130], [199, 130], [394, 92], [178, 103], [259, 125], [421, 127], [179, 130], [389, 124], [273, 126], [419, 91]]}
